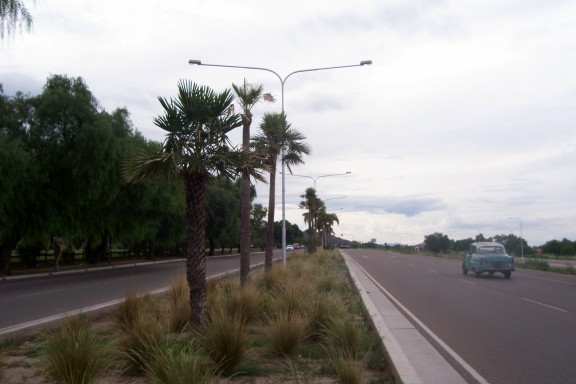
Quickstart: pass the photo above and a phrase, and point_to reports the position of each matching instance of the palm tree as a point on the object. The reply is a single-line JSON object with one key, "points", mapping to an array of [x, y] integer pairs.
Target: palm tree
{"points": [[248, 96], [13, 15], [276, 137], [312, 203], [196, 150], [324, 222]]}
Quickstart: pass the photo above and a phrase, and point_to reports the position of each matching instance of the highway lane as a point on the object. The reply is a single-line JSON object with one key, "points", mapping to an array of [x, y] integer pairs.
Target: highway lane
{"points": [[30, 299], [521, 330]]}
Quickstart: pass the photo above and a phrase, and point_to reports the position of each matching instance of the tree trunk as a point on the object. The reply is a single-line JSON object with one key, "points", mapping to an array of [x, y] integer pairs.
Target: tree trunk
{"points": [[245, 228], [194, 250], [270, 223], [6, 249], [245, 234]]}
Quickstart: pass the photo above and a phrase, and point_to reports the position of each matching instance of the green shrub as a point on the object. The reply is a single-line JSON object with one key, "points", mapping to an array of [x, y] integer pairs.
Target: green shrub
{"points": [[541, 265], [73, 354]]}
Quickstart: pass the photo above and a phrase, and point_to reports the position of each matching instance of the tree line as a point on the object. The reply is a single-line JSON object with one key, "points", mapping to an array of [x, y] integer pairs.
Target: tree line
{"points": [[61, 156], [438, 243]]}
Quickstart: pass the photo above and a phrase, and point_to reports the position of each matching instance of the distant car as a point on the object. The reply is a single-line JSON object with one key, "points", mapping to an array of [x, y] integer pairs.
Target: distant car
{"points": [[289, 247], [488, 257], [296, 246]]}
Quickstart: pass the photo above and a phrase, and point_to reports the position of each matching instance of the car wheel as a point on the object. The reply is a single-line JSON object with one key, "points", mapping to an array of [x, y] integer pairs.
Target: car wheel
{"points": [[507, 274], [464, 270], [476, 273]]}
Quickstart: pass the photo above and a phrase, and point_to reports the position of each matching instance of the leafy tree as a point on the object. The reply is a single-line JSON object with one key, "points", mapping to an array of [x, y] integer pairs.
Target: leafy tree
{"points": [[21, 189], [258, 224], [222, 205], [560, 248], [13, 16], [513, 244], [277, 138], [196, 149], [293, 233], [462, 245], [79, 152], [437, 242]]}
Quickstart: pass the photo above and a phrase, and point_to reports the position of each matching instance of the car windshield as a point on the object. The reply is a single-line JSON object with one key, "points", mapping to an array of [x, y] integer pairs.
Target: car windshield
{"points": [[491, 249]]}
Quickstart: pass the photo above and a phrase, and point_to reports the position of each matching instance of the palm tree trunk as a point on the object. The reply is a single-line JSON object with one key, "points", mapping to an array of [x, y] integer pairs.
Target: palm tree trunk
{"points": [[194, 250], [245, 228], [245, 234], [270, 224]]}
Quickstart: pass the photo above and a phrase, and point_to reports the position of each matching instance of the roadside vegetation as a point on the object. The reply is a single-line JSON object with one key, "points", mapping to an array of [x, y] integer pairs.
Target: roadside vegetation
{"points": [[303, 323]]}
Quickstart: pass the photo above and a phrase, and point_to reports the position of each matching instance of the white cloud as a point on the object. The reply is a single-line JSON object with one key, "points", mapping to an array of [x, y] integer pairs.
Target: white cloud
{"points": [[464, 120]]}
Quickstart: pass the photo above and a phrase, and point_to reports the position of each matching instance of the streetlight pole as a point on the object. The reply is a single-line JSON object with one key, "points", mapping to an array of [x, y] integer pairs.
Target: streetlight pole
{"points": [[521, 242], [282, 83], [317, 177]]}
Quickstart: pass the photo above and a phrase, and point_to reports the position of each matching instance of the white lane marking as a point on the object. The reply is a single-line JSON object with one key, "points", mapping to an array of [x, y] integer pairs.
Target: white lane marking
{"points": [[40, 292], [545, 279], [545, 305], [433, 271], [467, 281]]}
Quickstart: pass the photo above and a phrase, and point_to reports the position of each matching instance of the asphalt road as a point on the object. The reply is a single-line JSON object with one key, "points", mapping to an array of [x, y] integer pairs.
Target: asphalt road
{"points": [[31, 299], [521, 330]]}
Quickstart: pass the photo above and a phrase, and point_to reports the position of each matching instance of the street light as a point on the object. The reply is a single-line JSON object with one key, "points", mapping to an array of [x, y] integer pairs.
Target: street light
{"points": [[317, 177], [282, 83], [521, 242]]}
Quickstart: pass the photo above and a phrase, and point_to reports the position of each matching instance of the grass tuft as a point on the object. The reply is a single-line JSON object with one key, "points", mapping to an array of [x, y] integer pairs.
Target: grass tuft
{"points": [[2, 365], [179, 295], [343, 339], [73, 353], [168, 363], [244, 302], [225, 340], [348, 371], [286, 331], [139, 331]]}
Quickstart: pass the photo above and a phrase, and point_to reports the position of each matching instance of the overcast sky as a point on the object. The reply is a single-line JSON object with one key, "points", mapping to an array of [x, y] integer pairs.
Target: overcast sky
{"points": [[464, 123]]}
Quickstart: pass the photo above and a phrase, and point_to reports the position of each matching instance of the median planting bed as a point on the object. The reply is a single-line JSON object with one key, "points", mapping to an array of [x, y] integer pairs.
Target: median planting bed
{"points": [[303, 323]]}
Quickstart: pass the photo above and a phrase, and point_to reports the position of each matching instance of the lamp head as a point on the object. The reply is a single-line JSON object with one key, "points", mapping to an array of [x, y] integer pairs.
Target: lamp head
{"points": [[366, 62], [194, 62]]}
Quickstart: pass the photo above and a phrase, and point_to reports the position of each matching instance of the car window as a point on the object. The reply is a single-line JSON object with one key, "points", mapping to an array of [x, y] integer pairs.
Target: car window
{"points": [[491, 249]]}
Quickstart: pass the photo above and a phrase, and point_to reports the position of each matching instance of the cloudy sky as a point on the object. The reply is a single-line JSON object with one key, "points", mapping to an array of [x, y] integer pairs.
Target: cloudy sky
{"points": [[463, 124]]}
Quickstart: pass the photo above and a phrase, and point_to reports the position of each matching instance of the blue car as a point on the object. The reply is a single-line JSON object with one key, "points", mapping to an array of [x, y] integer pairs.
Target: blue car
{"points": [[488, 257]]}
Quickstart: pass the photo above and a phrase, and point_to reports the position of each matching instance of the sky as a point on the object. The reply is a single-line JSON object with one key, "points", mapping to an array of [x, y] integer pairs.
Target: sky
{"points": [[463, 124]]}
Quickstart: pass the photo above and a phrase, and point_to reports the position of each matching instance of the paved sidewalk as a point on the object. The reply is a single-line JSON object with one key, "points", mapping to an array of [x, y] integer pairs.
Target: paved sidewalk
{"points": [[414, 359]]}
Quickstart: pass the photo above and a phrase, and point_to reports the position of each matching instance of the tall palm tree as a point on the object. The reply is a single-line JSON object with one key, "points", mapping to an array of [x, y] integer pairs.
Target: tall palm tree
{"points": [[248, 96], [324, 223], [196, 149], [312, 203], [13, 15], [276, 137]]}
